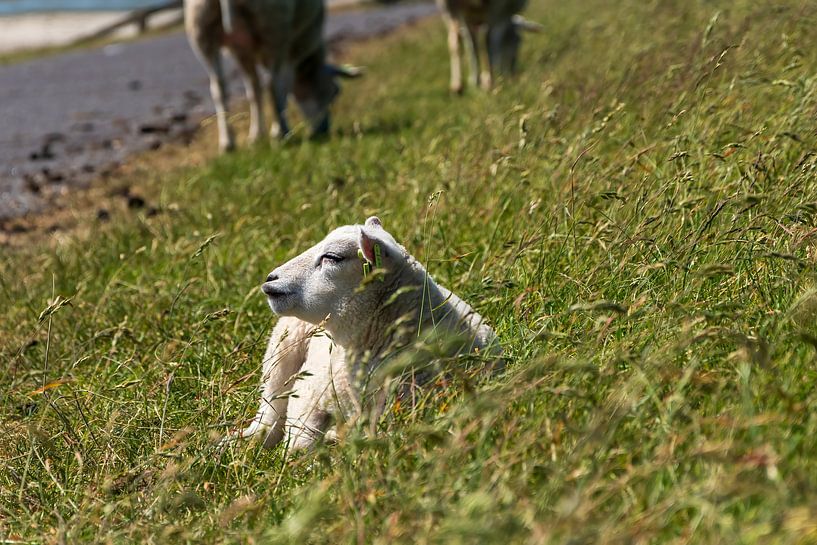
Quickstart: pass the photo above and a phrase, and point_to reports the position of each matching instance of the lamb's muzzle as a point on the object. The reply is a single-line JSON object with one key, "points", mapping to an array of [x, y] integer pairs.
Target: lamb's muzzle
{"points": [[367, 322], [272, 291]]}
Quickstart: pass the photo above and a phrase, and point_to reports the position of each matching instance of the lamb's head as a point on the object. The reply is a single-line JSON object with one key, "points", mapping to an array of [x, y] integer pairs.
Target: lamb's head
{"points": [[316, 87], [325, 284]]}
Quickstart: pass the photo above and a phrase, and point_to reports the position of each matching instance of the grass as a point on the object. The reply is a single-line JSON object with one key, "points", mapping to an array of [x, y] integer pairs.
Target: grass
{"points": [[635, 214]]}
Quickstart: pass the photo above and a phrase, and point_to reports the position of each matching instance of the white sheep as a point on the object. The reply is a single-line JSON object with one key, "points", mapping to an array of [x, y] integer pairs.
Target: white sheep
{"points": [[347, 305], [501, 22]]}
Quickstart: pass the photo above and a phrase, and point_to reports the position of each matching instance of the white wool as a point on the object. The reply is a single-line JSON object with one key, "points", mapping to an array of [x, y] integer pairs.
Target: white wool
{"points": [[337, 327]]}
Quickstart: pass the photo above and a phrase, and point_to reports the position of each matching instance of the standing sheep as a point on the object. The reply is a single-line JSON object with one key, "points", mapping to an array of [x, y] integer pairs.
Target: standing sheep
{"points": [[500, 19], [347, 305], [283, 36]]}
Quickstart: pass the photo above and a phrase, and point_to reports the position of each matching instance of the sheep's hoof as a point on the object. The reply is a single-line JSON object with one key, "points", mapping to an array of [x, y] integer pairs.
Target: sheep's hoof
{"points": [[226, 147], [457, 89], [278, 132]]}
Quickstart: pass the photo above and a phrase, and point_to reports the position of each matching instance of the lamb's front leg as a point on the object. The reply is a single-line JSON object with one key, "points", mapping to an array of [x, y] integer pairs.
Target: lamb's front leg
{"points": [[283, 360], [323, 393], [306, 427]]}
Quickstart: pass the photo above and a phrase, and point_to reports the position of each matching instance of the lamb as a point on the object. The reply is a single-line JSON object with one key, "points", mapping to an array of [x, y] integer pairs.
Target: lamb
{"points": [[347, 306], [502, 23], [285, 37]]}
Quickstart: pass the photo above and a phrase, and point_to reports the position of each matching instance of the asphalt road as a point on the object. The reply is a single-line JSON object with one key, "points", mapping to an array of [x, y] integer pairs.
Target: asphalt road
{"points": [[67, 119]]}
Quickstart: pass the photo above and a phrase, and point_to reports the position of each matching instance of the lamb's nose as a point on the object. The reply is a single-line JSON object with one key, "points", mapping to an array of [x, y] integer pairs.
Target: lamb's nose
{"points": [[272, 277]]}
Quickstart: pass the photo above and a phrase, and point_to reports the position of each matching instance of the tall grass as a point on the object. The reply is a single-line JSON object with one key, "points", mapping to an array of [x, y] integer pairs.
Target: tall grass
{"points": [[635, 214]]}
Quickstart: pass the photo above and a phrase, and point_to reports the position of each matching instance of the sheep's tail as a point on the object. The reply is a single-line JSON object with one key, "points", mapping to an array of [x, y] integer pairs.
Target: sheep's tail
{"points": [[226, 16]]}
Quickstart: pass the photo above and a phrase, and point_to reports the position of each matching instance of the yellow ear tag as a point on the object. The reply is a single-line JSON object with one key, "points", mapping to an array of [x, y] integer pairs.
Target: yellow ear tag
{"points": [[377, 260], [367, 266]]}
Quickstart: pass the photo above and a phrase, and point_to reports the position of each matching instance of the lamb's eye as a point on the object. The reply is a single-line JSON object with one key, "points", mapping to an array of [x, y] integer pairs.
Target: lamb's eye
{"points": [[330, 258]]}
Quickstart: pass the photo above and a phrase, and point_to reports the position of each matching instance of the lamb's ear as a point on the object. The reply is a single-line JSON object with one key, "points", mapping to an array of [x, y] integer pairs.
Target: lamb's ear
{"points": [[374, 248]]}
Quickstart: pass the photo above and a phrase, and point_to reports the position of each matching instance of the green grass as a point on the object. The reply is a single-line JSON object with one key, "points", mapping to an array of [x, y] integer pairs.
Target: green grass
{"points": [[636, 216]]}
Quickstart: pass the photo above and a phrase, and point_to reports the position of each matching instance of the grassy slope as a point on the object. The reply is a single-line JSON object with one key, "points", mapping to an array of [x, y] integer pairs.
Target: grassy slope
{"points": [[635, 216]]}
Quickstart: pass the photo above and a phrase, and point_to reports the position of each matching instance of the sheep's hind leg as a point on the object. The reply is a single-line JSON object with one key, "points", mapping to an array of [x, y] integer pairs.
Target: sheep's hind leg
{"points": [[472, 48], [493, 43], [218, 91], [252, 85], [280, 85]]}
